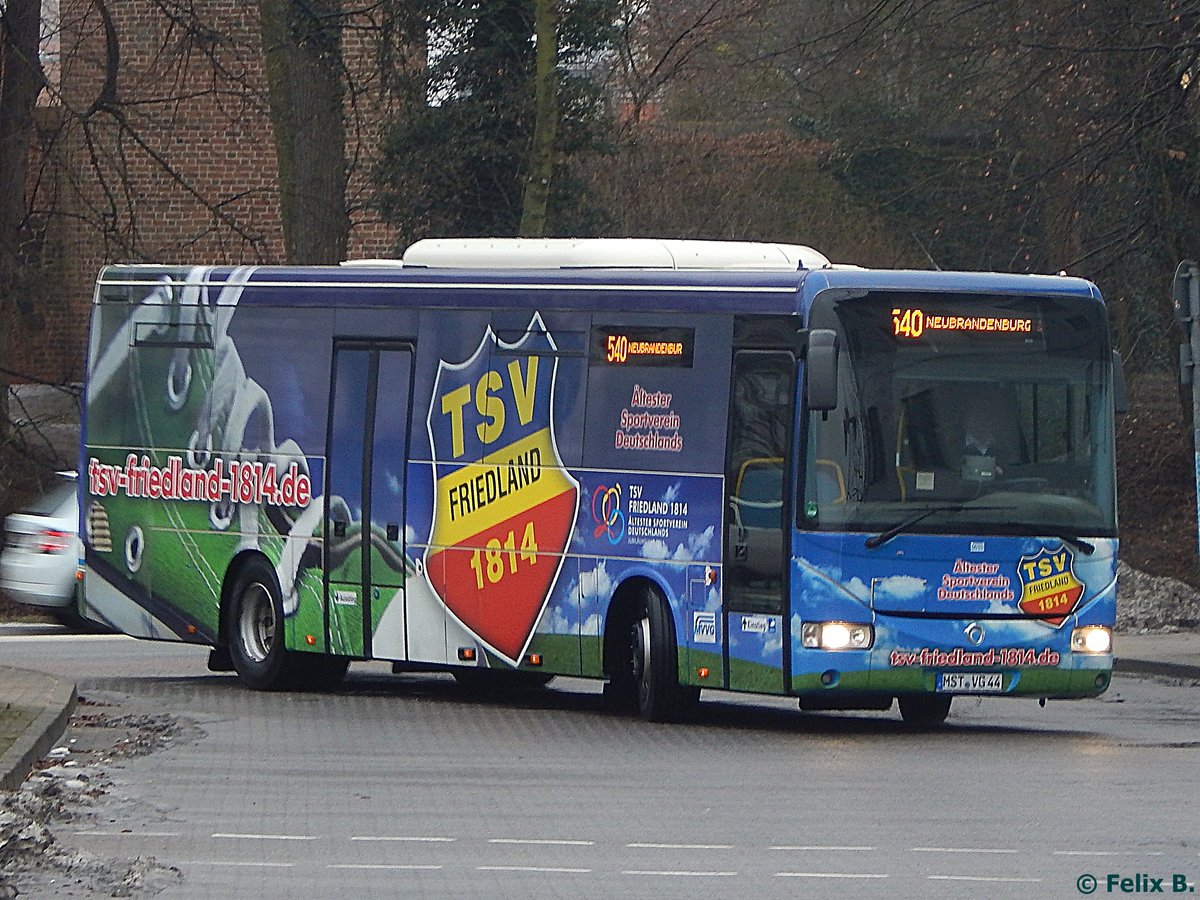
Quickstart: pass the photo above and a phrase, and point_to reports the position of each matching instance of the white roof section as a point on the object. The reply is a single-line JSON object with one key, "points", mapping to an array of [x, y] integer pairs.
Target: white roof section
{"points": [[603, 253]]}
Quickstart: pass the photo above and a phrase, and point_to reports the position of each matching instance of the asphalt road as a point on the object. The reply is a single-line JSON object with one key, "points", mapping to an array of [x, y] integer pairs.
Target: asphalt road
{"points": [[406, 786]]}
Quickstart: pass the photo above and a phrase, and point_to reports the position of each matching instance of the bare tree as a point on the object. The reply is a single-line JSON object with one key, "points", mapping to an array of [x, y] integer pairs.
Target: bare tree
{"points": [[1023, 135], [302, 51], [20, 81], [545, 120]]}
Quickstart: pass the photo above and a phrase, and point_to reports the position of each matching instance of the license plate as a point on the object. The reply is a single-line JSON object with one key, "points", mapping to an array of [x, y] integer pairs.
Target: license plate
{"points": [[971, 682]]}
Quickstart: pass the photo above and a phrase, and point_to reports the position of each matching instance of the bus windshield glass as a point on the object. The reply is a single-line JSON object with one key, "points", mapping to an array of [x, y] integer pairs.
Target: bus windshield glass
{"points": [[964, 414]]}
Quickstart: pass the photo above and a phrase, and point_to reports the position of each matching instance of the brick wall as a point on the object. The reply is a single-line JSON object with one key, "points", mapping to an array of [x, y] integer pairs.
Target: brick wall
{"points": [[181, 170]]}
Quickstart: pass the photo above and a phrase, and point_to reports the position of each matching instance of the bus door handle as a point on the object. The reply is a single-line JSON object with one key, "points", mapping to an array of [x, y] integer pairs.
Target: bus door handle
{"points": [[339, 529], [393, 531]]}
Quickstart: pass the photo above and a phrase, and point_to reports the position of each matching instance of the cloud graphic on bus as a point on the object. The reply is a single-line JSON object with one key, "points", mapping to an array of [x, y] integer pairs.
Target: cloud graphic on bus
{"points": [[828, 581], [393, 482], [901, 587], [699, 544], [712, 600], [696, 547], [595, 584], [557, 620], [656, 549]]}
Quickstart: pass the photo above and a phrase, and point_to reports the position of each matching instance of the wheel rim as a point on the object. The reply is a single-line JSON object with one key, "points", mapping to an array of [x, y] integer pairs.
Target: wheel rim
{"points": [[256, 624], [640, 645]]}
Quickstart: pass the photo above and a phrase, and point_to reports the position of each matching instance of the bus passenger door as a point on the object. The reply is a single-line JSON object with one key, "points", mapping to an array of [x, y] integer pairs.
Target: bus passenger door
{"points": [[365, 517], [762, 410]]}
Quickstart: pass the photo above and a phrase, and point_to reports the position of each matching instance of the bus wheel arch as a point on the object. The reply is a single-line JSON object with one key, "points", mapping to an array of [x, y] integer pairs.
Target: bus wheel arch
{"points": [[641, 654], [252, 628]]}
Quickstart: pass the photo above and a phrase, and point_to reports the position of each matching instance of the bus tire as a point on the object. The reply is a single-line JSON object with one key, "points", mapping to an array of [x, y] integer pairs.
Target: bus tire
{"points": [[255, 630], [924, 711], [654, 658]]}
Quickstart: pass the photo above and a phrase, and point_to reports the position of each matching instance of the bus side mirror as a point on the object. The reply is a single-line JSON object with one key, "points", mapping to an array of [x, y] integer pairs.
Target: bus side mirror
{"points": [[1120, 398], [821, 369]]}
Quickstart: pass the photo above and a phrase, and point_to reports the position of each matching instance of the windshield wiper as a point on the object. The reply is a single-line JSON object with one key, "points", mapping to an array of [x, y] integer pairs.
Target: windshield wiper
{"points": [[877, 540], [1084, 547]]}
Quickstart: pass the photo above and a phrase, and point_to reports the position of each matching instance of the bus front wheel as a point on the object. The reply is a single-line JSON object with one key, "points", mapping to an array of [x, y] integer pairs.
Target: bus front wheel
{"points": [[654, 662], [924, 711]]}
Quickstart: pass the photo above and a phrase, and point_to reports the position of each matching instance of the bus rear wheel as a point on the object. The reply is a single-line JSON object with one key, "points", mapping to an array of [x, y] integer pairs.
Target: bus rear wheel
{"points": [[255, 628], [924, 711], [255, 632]]}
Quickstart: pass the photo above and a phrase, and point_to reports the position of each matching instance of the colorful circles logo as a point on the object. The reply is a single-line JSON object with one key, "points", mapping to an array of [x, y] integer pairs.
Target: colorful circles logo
{"points": [[606, 513]]}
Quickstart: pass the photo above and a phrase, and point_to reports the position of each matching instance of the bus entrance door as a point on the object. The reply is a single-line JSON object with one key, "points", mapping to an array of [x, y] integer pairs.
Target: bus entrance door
{"points": [[760, 432], [366, 563]]}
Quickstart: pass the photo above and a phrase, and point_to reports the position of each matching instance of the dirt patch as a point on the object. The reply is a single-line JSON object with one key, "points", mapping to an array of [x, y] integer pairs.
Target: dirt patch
{"points": [[64, 788]]}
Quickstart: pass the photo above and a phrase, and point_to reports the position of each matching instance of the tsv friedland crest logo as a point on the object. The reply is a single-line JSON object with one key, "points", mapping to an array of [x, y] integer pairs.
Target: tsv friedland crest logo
{"points": [[504, 504], [1049, 587]]}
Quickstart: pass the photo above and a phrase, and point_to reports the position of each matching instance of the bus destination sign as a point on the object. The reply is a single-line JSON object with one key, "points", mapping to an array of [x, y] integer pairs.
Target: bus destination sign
{"points": [[643, 346], [913, 322]]}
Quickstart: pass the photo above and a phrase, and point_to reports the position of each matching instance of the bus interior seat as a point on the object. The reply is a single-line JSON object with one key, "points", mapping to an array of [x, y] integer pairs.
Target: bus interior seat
{"points": [[756, 520]]}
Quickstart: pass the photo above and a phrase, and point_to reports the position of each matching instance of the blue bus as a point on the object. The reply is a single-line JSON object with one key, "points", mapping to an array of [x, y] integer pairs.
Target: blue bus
{"points": [[671, 466]]}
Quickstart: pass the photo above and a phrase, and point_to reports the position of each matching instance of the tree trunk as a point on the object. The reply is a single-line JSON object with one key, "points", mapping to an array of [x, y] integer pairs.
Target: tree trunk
{"points": [[303, 59], [20, 81], [545, 124]]}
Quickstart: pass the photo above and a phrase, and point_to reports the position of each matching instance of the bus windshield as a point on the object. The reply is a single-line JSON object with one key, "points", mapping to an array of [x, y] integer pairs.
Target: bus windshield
{"points": [[964, 414]]}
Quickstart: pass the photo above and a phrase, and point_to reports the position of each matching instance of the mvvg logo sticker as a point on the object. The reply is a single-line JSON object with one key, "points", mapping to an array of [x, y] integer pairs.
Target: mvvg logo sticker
{"points": [[504, 503]]}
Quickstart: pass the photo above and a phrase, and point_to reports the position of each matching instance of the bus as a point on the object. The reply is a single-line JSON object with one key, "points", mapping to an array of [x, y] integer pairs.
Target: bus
{"points": [[671, 466]]}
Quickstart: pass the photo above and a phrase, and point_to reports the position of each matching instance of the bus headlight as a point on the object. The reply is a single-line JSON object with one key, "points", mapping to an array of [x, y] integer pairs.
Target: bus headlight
{"points": [[837, 636], [1092, 639]]}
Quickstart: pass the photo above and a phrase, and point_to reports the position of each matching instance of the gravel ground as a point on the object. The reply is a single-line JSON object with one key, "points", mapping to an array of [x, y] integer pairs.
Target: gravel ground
{"points": [[1149, 603]]}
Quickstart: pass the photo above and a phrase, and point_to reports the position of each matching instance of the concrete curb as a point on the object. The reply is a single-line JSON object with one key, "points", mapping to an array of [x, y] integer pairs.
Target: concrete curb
{"points": [[1156, 667], [58, 700]]}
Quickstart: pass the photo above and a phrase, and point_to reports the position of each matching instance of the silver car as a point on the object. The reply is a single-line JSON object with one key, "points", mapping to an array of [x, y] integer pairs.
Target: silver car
{"points": [[41, 552]]}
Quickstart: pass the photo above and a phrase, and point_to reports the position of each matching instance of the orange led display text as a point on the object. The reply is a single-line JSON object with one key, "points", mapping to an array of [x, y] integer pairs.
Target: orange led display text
{"points": [[914, 322], [620, 348]]}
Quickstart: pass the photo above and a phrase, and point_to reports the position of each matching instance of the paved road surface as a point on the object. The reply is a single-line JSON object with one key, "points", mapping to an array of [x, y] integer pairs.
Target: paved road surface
{"points": [[405, 786]]}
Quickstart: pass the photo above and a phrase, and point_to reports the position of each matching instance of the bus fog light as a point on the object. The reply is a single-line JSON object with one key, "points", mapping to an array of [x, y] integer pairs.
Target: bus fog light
{"points": [[837, 636], [1092, 639]]}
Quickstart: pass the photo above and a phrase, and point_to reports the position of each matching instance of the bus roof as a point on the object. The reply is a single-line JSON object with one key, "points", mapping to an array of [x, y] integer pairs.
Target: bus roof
{"points": [[625, 273], [610, 253], [917, 280]]}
